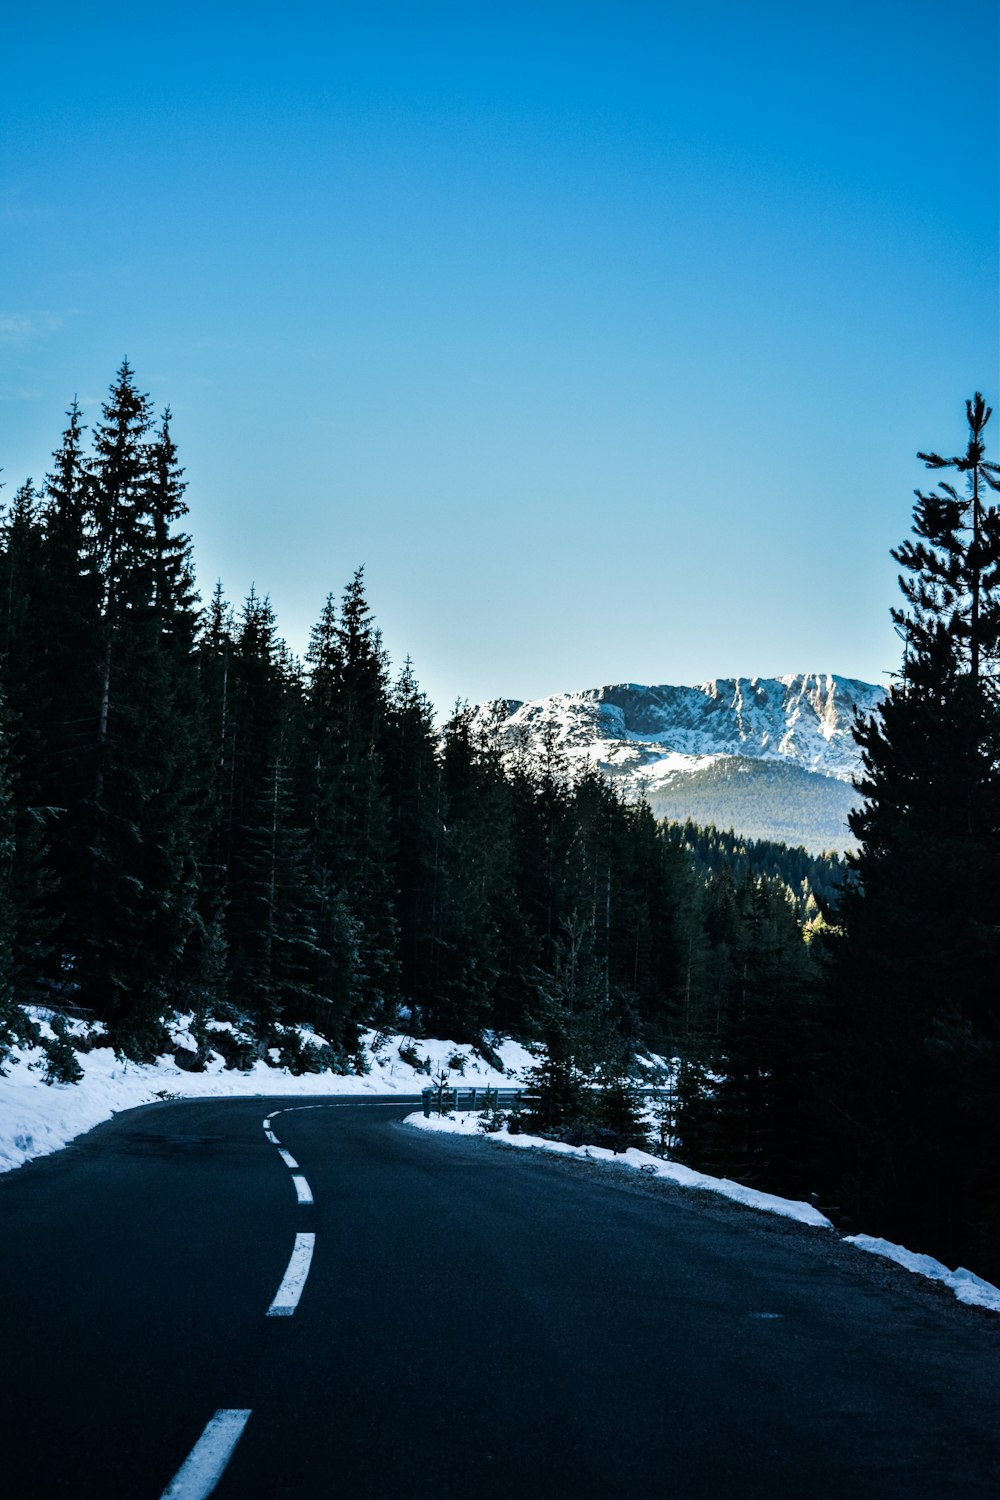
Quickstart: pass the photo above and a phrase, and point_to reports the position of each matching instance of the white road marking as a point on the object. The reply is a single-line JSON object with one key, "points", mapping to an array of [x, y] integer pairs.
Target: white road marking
{"points": [[267, 1122], [288, 1159], [203, 1467], [302, 1189], [287, 1297], [272, 1137]]}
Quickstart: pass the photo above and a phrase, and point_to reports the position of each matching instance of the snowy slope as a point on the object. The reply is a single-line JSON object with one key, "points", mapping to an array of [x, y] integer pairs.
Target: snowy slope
{"points": [[805, 720], [655, 738], [37, 1118]]}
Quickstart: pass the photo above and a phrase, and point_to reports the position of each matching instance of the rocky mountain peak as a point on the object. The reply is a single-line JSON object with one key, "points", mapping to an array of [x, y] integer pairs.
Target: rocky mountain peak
{"points": [[658, 738]]}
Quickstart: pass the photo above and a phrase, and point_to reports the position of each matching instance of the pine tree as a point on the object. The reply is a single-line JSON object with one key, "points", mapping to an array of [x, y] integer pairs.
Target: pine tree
{"points": [[474, 885], [338, 975], [575, 1025], [18, 959], [140, 892], [411, 775], [763, 1062], [270, 927], [24, 712], [204, 980], [22, 623], [118, 486], [68, 681], [352, 850], [277, 956], [955, 565], [918, 1059], [543, 836]]}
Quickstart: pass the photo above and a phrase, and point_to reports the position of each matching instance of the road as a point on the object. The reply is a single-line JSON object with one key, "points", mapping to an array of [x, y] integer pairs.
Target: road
{"points": [[461, 1321]]}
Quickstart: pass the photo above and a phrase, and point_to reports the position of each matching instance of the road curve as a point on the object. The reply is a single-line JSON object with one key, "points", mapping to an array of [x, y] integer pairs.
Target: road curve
{"points": [[261, 1299]]}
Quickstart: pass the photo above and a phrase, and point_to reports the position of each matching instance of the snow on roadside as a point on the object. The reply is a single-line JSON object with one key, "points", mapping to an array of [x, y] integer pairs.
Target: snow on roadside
{"points": [[966, 1285], [641, 1161], [37, 1118]]}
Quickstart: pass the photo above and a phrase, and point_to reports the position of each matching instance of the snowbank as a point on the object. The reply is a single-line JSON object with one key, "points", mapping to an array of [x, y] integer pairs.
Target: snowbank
{"points": [[966, 1285], [641, 1161], [37, 1118]]}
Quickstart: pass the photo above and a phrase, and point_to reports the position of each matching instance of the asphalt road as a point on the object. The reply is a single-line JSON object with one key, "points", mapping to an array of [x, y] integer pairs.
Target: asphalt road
{"points": [[474, 1323]]}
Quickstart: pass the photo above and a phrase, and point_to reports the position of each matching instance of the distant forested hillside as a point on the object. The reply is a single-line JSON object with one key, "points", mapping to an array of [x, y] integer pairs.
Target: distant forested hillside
{"points": [[815, 880], [768, 800]]}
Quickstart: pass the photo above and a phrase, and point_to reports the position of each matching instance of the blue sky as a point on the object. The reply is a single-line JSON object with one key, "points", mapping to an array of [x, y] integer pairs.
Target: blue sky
{"points": [[604, 336]]}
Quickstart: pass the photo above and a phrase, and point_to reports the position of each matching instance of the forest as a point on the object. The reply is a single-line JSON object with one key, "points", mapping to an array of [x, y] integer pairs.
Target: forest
{"points": [[195, 821]]}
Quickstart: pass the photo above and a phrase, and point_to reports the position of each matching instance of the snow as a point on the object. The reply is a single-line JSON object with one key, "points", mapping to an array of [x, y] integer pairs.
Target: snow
{"points": [[673, 763], [650, 733], [966, 1285], [640, 1161], [37, 1118]]}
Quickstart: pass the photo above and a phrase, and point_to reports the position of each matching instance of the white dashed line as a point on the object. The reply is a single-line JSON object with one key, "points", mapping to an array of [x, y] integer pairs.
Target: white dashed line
{"points": [[202, 1469], [290, 1290]]}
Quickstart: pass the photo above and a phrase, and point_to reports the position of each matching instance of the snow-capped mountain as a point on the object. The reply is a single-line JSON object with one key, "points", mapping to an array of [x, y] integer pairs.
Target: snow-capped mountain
{"points": [[770, 756]]}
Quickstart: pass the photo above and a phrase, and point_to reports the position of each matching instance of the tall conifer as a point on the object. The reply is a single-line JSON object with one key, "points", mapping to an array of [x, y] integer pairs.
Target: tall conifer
{"points": [[918, 1075]]}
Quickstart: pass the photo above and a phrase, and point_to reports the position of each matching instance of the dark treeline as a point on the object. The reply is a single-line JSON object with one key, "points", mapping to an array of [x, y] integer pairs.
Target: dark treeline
{"points": [[193, 821], [198, 822], [816, 880]]}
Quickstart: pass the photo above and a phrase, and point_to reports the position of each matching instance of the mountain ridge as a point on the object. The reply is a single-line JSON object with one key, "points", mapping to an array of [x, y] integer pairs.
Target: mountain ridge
{"points": [[754, 753]]}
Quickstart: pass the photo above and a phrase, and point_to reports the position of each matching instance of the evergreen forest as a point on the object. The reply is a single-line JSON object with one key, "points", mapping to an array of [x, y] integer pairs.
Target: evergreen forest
{"points": [[194, 821]]}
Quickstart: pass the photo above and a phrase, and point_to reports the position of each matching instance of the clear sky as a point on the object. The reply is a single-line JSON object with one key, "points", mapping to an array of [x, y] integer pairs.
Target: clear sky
{"points": [[603, 335]]}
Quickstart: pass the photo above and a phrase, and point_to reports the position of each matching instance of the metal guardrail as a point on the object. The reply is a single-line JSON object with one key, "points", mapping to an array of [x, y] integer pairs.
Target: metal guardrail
{"points": [[448, 1100]]}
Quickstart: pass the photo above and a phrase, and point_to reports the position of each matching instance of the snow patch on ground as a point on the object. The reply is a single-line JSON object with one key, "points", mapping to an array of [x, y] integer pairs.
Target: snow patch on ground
{"points": [[640, 1161], [966, 1285], [37, 1118]]}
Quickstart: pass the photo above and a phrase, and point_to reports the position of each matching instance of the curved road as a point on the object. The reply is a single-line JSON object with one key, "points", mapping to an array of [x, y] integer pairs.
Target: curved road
{"points": [[446, 1319]]}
